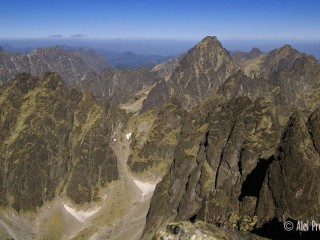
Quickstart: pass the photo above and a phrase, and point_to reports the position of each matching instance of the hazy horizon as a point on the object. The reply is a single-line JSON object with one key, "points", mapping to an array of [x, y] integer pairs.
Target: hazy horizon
{"points": [[164, 47]]}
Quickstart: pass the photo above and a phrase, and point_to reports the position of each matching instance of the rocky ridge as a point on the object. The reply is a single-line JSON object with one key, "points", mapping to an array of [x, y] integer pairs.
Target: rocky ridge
{"points": [[73, 65], [233, 147]]}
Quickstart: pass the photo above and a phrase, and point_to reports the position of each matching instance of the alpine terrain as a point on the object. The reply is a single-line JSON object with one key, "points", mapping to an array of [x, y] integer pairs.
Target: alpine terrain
{"points": [[210, 144]]}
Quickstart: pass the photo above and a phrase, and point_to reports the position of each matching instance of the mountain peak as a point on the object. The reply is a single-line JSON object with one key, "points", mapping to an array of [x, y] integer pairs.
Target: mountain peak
{"points": [[212, 40], [202, 70], [287, 49], [255, 52]]}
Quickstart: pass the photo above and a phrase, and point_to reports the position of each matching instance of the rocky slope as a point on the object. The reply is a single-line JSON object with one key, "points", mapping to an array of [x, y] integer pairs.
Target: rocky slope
{"points": [[164, 69], [201, 231]]}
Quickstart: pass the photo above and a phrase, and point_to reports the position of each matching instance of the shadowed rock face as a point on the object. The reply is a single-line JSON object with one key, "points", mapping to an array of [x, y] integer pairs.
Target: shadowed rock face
{"points": [[290, 182], [53, 142], [219, 146]]}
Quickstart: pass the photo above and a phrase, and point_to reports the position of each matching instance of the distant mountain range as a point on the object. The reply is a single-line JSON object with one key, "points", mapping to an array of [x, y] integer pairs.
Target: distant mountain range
{"points": [[131, 60], [119, 60]]}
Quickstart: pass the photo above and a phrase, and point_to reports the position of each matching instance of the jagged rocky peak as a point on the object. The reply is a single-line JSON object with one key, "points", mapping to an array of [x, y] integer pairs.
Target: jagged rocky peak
{"points": [[239, 56], [270, 62], [286, 50], [210, 44], [201, 71], [74, 66], [210, 40]]}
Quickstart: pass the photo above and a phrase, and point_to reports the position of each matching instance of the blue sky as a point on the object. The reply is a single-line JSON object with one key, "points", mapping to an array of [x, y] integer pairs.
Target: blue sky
{"points": [[150, 19]]}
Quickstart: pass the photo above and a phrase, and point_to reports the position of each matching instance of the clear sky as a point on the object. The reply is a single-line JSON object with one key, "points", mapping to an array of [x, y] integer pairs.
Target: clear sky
{"points": [[162, 19]]}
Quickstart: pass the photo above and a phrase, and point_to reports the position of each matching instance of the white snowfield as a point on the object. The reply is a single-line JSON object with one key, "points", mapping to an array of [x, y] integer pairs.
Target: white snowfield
{"points": [[81, 216], [128, 136], [145, 187]]}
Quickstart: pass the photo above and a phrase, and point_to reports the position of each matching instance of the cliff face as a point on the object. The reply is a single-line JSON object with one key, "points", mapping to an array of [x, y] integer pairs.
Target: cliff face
{"points": [[53, 142]]}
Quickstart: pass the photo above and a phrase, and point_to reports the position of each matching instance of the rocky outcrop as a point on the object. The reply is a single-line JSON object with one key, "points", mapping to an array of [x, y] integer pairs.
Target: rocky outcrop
{"points": [[54, 141], [200, 231]]}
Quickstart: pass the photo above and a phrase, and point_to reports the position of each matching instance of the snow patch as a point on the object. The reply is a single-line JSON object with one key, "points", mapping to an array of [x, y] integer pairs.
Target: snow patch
{"points": [[128, 135], [145, 187], [81, 216]]}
